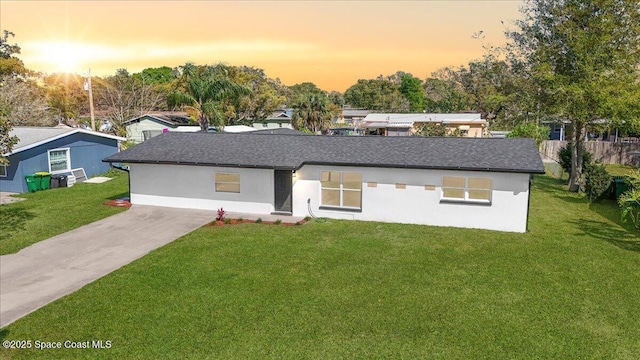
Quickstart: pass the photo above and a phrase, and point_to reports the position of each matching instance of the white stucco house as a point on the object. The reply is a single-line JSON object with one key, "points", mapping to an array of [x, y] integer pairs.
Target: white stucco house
{"points": [[461, 182]]}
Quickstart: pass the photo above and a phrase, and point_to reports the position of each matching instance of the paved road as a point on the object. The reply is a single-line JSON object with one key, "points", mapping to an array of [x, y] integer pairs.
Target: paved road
{"points": [[53, 268]]}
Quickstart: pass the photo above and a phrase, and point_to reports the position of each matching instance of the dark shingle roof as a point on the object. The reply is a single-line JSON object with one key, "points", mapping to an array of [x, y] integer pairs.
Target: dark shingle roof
{"points": [[292, 152]]}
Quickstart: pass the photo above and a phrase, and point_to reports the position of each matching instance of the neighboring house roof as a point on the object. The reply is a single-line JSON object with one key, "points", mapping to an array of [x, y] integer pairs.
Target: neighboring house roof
{"points": [[237, 128], [292, 152], [355, 112], [187, 129], [30, 137], [277, 131], [278, 116], [404, 119], [498, 134], [171, 120]]}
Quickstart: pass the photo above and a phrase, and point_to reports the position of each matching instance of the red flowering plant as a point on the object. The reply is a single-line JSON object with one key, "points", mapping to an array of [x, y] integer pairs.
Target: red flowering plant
{"points": [[221, 214]]}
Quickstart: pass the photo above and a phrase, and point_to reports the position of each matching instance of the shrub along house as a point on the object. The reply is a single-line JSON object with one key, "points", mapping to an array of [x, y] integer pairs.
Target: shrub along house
{"points": [[461, 182]]}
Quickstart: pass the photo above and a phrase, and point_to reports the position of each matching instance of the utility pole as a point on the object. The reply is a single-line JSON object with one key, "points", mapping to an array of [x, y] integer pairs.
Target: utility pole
{"points": [[87, 86]]}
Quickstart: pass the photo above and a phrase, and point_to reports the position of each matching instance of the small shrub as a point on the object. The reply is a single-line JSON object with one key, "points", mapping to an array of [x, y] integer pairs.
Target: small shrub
{"points": [[127, 144], [565, 158], [259, 221], [629, 201], [221, 214], [530, 130], [597, 181], [240, 220], [298, 223], [307, 218], [227, 221], [278, 222]]}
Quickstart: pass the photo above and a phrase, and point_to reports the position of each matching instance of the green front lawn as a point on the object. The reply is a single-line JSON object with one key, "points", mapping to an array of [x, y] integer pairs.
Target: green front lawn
{"points": [[51, 212], [349, 289], [620, 169]]}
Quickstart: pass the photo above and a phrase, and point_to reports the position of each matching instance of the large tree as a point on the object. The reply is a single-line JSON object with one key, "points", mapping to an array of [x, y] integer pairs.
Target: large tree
{"points": [[312, 112], [266, 96], [413, 90], [10, 65], [444, 93], [66, 97], [24, 103], [201, 91], [298, 92], [125, 96], [382, 93], [584, 57]]}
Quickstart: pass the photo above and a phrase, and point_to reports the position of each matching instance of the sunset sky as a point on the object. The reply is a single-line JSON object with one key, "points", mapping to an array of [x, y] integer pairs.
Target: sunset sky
{"points": [[329, 43]]}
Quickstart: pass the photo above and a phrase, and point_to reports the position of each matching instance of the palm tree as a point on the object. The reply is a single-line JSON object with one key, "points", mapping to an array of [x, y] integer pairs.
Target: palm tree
{"points": [[204, 87], [312, 112]]}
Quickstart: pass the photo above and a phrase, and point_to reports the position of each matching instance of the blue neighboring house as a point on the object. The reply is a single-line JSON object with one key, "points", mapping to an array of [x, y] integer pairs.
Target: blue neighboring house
{"points": [[56, 150]]}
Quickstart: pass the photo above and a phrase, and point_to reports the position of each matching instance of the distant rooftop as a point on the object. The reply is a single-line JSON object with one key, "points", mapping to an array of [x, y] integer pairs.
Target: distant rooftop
{"points": [[32, 136]]}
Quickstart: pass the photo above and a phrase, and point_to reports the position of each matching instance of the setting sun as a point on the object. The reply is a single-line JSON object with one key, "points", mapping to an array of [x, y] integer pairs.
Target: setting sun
{"points": [[65, 56]]}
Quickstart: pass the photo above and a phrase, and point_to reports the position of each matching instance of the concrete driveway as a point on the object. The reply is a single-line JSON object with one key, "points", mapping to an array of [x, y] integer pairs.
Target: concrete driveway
{"points": [[52, 268]]}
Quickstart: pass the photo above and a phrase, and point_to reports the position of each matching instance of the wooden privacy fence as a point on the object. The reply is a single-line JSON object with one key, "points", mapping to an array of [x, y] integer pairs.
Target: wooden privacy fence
{"points": [[604, 151]]}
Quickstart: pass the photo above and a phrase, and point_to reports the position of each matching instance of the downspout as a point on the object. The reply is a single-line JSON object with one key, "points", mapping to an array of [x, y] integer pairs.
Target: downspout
{"points": [[528, 202], [128, 175]]}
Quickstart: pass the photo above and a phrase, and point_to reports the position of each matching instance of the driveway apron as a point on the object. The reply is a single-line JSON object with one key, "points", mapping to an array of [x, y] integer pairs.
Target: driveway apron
{"points": [[53, 268]]}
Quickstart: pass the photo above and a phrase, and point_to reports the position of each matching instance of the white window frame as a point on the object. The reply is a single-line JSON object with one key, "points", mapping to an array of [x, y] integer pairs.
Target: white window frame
{"points": [[3, 170], [341, 189], [216, 182], [68, 152], [466, 189]]}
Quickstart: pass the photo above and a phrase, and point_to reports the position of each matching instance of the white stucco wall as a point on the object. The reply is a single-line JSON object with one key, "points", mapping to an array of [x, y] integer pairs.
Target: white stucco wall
{"points": [[186, 186], [194, 187], [415, 205]]}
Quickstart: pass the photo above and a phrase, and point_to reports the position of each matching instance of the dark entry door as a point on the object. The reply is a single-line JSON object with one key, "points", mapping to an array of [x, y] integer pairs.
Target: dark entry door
{"points": [[283, 186]]}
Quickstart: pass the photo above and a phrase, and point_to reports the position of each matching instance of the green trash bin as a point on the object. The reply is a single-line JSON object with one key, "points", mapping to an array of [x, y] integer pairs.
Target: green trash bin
{"points": [[620, 186], [33, 182], [45, 179]]}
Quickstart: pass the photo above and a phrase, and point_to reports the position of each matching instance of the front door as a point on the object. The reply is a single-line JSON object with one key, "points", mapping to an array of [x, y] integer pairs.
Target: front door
{"points": [[283, 186]]}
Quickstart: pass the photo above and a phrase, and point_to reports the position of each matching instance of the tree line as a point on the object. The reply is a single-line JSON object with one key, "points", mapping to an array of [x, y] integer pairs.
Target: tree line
{"points": [[569, 60]]}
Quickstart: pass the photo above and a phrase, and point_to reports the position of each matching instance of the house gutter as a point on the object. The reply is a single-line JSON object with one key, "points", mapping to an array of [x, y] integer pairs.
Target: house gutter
{"points": [[526, 227], [327, 163]]}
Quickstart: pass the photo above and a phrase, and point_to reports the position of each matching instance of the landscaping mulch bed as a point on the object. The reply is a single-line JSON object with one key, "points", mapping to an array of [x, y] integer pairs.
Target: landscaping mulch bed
{"points": [[119, 203], [238, 221]]}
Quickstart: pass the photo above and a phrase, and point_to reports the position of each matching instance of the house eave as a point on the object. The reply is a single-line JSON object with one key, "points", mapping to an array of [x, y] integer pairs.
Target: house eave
{"points": [[425, 167], [320, 163], [195, 163]]}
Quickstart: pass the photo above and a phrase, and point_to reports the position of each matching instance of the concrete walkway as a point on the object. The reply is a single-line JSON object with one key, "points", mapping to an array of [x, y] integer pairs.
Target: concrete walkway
{"points": [[53, 268], [8, 198]]}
